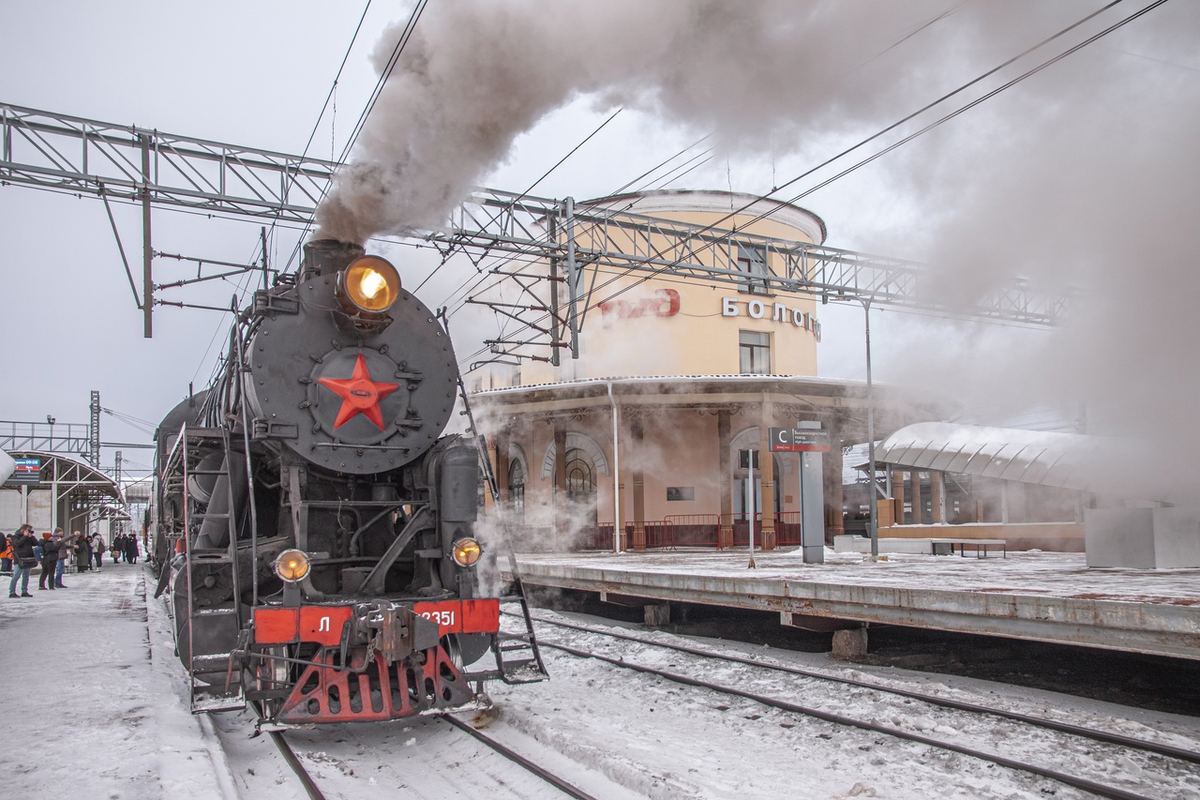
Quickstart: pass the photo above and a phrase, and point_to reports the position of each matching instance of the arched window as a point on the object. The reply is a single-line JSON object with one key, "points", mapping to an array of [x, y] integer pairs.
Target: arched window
{"points": [[581, 475], [516, 488], [581, 483]]}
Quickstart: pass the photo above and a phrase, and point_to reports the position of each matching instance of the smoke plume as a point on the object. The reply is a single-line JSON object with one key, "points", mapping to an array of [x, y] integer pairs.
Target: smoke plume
{"points": [[475, 75], [1084, 174]]}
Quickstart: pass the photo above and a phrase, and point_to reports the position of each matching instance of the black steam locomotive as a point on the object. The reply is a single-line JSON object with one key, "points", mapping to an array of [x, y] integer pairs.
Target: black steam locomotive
{"points": [[314, 529]]}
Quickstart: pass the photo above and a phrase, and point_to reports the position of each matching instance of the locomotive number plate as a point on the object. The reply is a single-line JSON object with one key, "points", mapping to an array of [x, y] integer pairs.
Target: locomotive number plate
{"points": [[462, 616]]}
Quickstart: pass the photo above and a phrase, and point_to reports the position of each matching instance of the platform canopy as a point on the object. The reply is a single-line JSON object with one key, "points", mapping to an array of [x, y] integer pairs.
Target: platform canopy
{"points": [[79, 490], [1103, 465]]}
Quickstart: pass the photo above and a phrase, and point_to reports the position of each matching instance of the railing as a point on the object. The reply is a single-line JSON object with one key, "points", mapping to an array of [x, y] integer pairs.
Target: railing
{"points": [[695, 530], [787, 528], [669, 533]]}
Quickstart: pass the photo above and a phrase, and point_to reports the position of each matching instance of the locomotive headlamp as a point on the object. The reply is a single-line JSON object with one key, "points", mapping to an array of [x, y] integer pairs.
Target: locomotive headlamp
{"points": [[369, 284], [292, 565], [467, 552]]}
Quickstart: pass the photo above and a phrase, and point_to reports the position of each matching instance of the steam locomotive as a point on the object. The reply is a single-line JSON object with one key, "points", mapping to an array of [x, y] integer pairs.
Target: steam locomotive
{"points": [[314, 530]]}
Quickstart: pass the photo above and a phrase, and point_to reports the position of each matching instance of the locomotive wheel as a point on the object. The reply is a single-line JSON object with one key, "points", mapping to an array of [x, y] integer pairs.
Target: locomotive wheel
{"points": [[271, 674]]}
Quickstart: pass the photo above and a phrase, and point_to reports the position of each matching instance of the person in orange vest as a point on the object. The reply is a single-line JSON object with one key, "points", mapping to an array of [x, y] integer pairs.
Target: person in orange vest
{"points": [[5, 555]]}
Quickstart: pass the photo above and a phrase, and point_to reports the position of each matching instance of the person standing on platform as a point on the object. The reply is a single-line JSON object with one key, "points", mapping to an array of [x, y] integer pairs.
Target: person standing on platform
{"points": [[49, 560], [83, 555], [131, 549], [118, 544], [23, 560], [98, 549], [66, 546], [5, 555]]}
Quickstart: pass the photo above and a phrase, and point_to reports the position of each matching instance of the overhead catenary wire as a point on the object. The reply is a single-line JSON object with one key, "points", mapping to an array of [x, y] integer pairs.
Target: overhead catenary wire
{"points": [[622, 274], [453, 301], [245, 283]]}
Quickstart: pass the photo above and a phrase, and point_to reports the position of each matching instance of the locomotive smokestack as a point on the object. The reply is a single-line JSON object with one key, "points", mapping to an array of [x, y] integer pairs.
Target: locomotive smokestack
{"points": [[327, 257]]}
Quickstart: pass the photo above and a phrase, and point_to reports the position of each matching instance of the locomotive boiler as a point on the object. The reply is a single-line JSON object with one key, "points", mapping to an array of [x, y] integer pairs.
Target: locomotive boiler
{"points": [[314, 528]]}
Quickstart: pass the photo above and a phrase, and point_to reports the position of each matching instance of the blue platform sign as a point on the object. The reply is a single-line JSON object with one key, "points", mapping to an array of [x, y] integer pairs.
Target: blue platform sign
{"points": [[28, 471]]}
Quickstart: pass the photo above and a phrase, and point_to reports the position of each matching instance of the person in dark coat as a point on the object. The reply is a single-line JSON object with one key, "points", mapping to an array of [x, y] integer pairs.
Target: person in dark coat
{"points": [[83, 556], [23, 560], [49, 562], [117, 547], [131, 549]]}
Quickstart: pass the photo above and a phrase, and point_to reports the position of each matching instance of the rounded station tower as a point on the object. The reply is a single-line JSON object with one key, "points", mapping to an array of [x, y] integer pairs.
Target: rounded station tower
{"points": [[658, 434], [672, 326]]}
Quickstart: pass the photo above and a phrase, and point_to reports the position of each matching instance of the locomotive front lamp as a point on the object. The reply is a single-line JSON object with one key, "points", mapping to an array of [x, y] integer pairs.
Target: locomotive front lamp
{"points": [[369, 284], [292, 565], [467, 552]]}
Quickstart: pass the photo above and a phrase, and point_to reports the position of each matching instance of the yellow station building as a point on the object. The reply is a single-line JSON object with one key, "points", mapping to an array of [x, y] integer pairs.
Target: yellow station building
{"points": [[662, 423]]}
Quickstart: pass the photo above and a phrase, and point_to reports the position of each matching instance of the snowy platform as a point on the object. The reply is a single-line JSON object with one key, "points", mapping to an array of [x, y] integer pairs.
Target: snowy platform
{"points": [[1049, 597], [93, 707]]}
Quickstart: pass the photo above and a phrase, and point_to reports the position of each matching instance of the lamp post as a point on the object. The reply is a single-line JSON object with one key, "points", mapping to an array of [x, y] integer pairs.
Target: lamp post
{"points": [[873, 522], [50, 441]]}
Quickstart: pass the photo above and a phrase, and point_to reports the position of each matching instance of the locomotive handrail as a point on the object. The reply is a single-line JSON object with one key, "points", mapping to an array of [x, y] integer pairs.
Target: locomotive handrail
{"points": [[241, 368]]}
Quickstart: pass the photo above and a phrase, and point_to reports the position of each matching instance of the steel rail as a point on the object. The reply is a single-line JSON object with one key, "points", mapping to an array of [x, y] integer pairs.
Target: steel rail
{"points": [[959, 705], [289, 756], [517, 758], [1100, 789]]}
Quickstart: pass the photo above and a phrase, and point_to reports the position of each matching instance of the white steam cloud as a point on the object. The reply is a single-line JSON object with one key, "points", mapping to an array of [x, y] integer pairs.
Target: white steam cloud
{"points": [[475, 75], [1085, 174]]}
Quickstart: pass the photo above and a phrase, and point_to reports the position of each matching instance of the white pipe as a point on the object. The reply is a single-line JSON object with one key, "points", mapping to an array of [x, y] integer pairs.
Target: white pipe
{"points": [[616, 470]]}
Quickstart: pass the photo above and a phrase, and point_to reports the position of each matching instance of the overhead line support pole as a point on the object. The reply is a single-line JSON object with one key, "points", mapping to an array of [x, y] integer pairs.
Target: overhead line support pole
{"points": [[147, 251], [873, 507], [572, 278], [555, 327]]}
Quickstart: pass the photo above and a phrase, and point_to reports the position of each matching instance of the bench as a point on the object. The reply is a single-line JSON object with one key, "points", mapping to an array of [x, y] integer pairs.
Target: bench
{"points": [[943, 547]]}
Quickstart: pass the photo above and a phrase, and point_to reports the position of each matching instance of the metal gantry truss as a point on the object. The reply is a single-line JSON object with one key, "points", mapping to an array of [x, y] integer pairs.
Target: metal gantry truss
{"points": [[541, 240]]}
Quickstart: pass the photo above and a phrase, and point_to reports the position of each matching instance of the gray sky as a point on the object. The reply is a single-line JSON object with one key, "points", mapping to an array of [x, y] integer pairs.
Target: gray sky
{"points": [[1085, 173]]}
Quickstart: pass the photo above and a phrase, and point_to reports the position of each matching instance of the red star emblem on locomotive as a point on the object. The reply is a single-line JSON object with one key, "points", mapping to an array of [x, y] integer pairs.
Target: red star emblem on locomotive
{"points": [[360, 394]]}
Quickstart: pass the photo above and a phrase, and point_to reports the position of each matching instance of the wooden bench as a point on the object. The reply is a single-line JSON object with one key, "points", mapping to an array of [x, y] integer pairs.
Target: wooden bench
{"points": [[943, 547]]}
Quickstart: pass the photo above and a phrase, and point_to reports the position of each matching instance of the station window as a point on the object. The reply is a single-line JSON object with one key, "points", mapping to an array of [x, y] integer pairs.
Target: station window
{"points": [[754, 351], [751, 262], [516, 489]]}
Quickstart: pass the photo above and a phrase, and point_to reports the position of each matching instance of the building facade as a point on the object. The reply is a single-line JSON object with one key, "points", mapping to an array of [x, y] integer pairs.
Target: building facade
{"points": [[657, 436]]}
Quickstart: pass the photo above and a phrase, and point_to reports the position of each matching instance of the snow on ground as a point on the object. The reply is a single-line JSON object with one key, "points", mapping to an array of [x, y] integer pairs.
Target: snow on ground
{"points": [[90, 710], [97, 708]]}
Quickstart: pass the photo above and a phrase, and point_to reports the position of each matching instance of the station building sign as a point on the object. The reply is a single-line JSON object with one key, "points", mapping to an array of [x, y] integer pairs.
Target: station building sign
{"points": [[788, 440], [775, 312], [28, 471]]}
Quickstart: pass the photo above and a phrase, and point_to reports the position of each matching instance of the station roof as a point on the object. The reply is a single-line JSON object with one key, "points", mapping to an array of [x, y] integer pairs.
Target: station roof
{"points": [[1103, 465], [70, 475], [843, 401]]}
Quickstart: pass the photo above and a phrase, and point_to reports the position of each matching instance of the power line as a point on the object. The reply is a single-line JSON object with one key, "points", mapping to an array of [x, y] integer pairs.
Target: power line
{"points": [[768, 196]]}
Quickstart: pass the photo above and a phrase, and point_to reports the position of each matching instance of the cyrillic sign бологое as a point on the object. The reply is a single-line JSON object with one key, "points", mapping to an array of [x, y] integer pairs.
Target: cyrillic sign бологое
{"points": [[758, 309]]}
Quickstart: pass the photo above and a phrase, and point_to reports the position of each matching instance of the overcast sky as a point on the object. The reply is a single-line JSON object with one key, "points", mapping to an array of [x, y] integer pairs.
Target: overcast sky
{"points": [[1084, 173]]}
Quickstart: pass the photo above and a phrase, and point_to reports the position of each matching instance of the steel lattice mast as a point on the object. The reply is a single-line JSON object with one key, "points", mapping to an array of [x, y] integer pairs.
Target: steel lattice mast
{"points": [[147, 167]]}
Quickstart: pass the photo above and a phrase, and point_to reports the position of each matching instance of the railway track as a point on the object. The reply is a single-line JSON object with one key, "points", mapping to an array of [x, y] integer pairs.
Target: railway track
{"points": [[1153, 754], [315, 792], [549, 777]]}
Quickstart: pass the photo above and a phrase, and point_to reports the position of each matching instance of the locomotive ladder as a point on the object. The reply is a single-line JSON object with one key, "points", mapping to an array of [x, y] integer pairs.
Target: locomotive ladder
{"points": [[229, 694], [517, 655], [518, 658]]}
